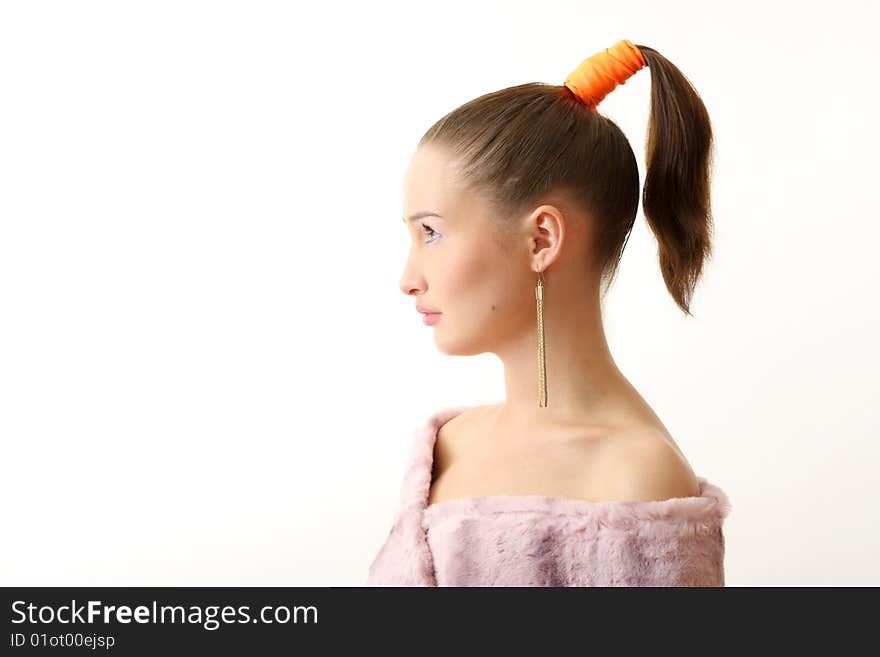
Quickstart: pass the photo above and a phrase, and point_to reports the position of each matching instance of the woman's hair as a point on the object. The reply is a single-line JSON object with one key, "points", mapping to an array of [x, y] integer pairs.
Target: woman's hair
{"points": [[515, 145]]}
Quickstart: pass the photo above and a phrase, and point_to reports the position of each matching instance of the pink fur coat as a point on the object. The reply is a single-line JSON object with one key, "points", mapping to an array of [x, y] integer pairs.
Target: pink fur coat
{"points": [[535, 540]]}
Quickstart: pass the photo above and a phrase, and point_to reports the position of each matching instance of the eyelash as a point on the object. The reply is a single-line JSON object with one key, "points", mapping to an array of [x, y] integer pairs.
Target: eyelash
{"points": [[434, 232]]}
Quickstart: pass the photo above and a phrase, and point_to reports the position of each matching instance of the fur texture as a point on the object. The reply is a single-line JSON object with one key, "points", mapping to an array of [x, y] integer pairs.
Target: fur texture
{"points": [[536, 540]]}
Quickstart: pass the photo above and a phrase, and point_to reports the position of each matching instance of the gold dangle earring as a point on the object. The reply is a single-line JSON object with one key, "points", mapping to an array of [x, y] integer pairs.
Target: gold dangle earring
{"points": [[542, 368]]}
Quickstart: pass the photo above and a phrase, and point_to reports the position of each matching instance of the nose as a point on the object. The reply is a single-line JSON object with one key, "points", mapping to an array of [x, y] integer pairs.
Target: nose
{"points": [[407, 287], [410, 282]]}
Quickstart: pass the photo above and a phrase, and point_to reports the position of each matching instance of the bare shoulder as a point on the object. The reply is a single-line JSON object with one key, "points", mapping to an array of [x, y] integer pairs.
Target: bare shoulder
{"points": [[629, 461], [454, 431], [453, 434], [644, 465]]}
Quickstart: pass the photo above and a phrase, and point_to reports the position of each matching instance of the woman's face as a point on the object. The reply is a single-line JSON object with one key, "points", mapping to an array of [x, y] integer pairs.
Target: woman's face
{"points": [[459, 264]]}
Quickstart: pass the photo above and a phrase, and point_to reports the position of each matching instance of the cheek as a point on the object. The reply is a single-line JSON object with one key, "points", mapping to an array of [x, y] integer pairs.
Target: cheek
{"points": [[467, 275], [479, 282]]}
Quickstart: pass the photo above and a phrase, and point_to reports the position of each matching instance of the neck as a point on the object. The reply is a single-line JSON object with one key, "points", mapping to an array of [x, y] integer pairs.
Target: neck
{"points": [[583, 381]]}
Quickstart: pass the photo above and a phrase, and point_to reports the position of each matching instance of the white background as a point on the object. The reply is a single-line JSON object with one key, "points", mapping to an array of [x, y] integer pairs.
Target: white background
{"points": [[208, 373]]}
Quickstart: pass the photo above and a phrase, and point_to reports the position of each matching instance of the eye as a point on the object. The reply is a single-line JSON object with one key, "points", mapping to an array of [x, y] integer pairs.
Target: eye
{"points": [[432, 234]]}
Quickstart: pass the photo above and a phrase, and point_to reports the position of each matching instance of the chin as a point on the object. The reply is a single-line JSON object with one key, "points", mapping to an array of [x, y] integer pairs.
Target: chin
{"points": [[457, 348]]}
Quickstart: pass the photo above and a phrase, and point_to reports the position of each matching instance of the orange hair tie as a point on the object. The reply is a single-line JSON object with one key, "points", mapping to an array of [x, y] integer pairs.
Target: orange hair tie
{"points": [[598, 75]]}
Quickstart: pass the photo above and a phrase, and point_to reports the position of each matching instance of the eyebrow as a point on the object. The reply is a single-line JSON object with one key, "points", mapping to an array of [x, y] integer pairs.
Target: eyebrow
{"points": [[420, 215]]}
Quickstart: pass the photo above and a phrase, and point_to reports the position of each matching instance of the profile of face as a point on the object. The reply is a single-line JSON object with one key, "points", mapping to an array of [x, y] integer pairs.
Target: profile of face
{"points": [[459, 264]]}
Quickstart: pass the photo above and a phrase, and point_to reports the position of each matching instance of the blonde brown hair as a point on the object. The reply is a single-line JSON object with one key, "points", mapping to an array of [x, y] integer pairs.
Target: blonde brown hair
{"points": [[515, 145]]}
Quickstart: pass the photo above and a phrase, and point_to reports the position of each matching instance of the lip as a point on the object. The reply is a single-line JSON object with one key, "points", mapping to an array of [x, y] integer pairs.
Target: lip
{"points": [[430, 318], [427, 311]]}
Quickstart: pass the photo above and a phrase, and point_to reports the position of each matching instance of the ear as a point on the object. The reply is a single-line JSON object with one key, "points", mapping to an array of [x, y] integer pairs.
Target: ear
{"points": [[545, 232]]}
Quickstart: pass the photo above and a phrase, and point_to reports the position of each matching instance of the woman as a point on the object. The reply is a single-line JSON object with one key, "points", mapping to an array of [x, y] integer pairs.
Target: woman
{"points": [[530, 188]]}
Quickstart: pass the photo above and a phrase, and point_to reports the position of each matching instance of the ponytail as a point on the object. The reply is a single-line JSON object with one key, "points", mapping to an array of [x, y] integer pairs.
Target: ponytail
{"points": [[675, 198]]}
